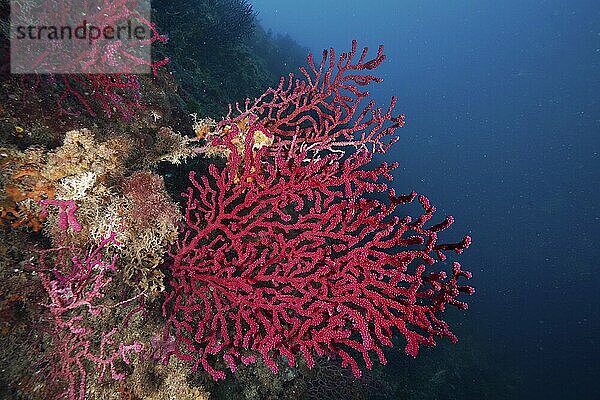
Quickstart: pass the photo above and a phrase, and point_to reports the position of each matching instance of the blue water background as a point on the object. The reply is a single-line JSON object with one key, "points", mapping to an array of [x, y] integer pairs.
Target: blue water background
{"points": [[503, 132]]}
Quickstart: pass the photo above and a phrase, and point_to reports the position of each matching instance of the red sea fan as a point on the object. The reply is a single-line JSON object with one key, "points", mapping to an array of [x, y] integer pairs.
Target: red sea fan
{"points": [[75, 286], [289, 250], [101, 77]]}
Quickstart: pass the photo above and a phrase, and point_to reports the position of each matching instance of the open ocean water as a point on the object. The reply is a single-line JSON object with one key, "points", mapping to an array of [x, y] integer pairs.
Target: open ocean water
{"points": [[502, 103]]}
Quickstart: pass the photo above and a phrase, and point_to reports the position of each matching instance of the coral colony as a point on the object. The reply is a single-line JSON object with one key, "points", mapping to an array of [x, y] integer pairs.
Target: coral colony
{"points": [[94, 92], [291, 245], [75, 293], [286, 253]]}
